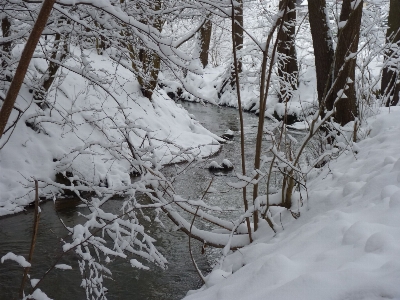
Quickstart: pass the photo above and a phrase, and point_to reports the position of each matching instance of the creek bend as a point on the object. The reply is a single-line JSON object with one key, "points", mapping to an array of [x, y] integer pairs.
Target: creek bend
{"points": [[128, 282]]}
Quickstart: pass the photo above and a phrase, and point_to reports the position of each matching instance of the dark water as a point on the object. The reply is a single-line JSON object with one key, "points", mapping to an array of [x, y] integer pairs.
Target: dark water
{"points": [[130, 283], [218, 120]]}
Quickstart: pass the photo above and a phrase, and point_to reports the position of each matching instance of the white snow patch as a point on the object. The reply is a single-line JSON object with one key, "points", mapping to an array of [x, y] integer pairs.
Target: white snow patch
{"points": [[63, 267], [17, 258]]}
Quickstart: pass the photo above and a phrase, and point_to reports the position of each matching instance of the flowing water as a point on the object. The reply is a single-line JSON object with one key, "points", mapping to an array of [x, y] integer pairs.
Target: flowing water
{"points": [[130, 283]]}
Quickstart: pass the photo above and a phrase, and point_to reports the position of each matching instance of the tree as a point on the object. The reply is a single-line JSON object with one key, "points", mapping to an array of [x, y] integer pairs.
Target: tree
{"points": [[57, 53], [205, 38], [287, 58], [144, 60], [323, 45], [6, 51], [390, 85], [238, 29], [26, 57], [343, 86]]}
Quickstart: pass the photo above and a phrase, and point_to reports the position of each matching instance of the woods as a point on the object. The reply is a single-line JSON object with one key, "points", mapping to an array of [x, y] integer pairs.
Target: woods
{"points": [[89, 93]]}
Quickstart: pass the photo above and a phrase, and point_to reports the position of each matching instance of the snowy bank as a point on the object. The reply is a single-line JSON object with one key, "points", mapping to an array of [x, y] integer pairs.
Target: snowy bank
{"points": [[83, 132], [345, 245], [207, 88]]}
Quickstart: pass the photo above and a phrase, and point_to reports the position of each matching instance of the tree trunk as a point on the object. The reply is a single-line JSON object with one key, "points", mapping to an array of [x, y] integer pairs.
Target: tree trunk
{"points": [[238, 35], [6, 54], [101, 43], [205, 38], [344, 69], [287, 58], [323, 45], [390, 86], [150, 62], [238, 29], [59, 53], [23, 64]]}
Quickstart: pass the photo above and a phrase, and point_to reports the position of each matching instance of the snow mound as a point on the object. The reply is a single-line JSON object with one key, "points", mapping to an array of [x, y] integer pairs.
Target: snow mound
{"points": [[83, 134]]}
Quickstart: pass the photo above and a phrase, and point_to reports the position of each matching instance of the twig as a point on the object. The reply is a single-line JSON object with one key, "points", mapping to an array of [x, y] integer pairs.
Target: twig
{"points": [[34, 236], [190, 235], [235, 62]]}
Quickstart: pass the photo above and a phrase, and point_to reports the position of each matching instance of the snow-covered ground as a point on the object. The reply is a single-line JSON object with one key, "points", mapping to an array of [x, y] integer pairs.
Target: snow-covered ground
{"points": [[345, 245], [84, 129]]}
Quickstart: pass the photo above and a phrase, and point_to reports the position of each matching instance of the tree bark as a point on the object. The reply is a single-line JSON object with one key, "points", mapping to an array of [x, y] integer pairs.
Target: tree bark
{"points": [[390, 85], [323, 45], [22, 68], [6, 55], [344, 65], [287, 58], [58, 53], [205, 38], [150, 62], [237, 28]]}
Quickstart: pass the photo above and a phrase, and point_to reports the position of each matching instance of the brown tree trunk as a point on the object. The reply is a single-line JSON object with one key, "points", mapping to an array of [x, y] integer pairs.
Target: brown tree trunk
{"points": [[323, 45], [59, 53], [205, 38], [101, 44], [150, 62], [344, 68], [6, 55], [265, 81], [22, 68], [390, 86], [238, 29], [287, 58]]}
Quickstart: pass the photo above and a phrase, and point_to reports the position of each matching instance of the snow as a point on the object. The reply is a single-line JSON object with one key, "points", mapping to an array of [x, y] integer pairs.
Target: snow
{"points": [[226, 163], [17, 258], [68, 140], [297, 109], [217, 276], [135, 263], [345, 245], [34, 282], [38, 295], [303, 125], [214, 165], [63, 267], [229, 132]]}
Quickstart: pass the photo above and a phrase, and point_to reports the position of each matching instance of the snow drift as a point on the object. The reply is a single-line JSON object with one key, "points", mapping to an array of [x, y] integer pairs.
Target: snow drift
{"points": [[346, 243]]}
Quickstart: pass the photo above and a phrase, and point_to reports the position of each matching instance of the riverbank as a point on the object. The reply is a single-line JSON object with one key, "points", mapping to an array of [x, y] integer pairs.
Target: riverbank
{"points": [[346, 243], [128, 282], [83, 132]]}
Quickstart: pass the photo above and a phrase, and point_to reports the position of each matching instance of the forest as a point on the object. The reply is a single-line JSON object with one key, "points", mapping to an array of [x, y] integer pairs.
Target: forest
{"points": [[209, 149]]}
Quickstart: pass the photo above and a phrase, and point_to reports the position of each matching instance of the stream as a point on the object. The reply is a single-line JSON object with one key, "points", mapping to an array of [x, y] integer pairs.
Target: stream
{"points": [[127, 282]]}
